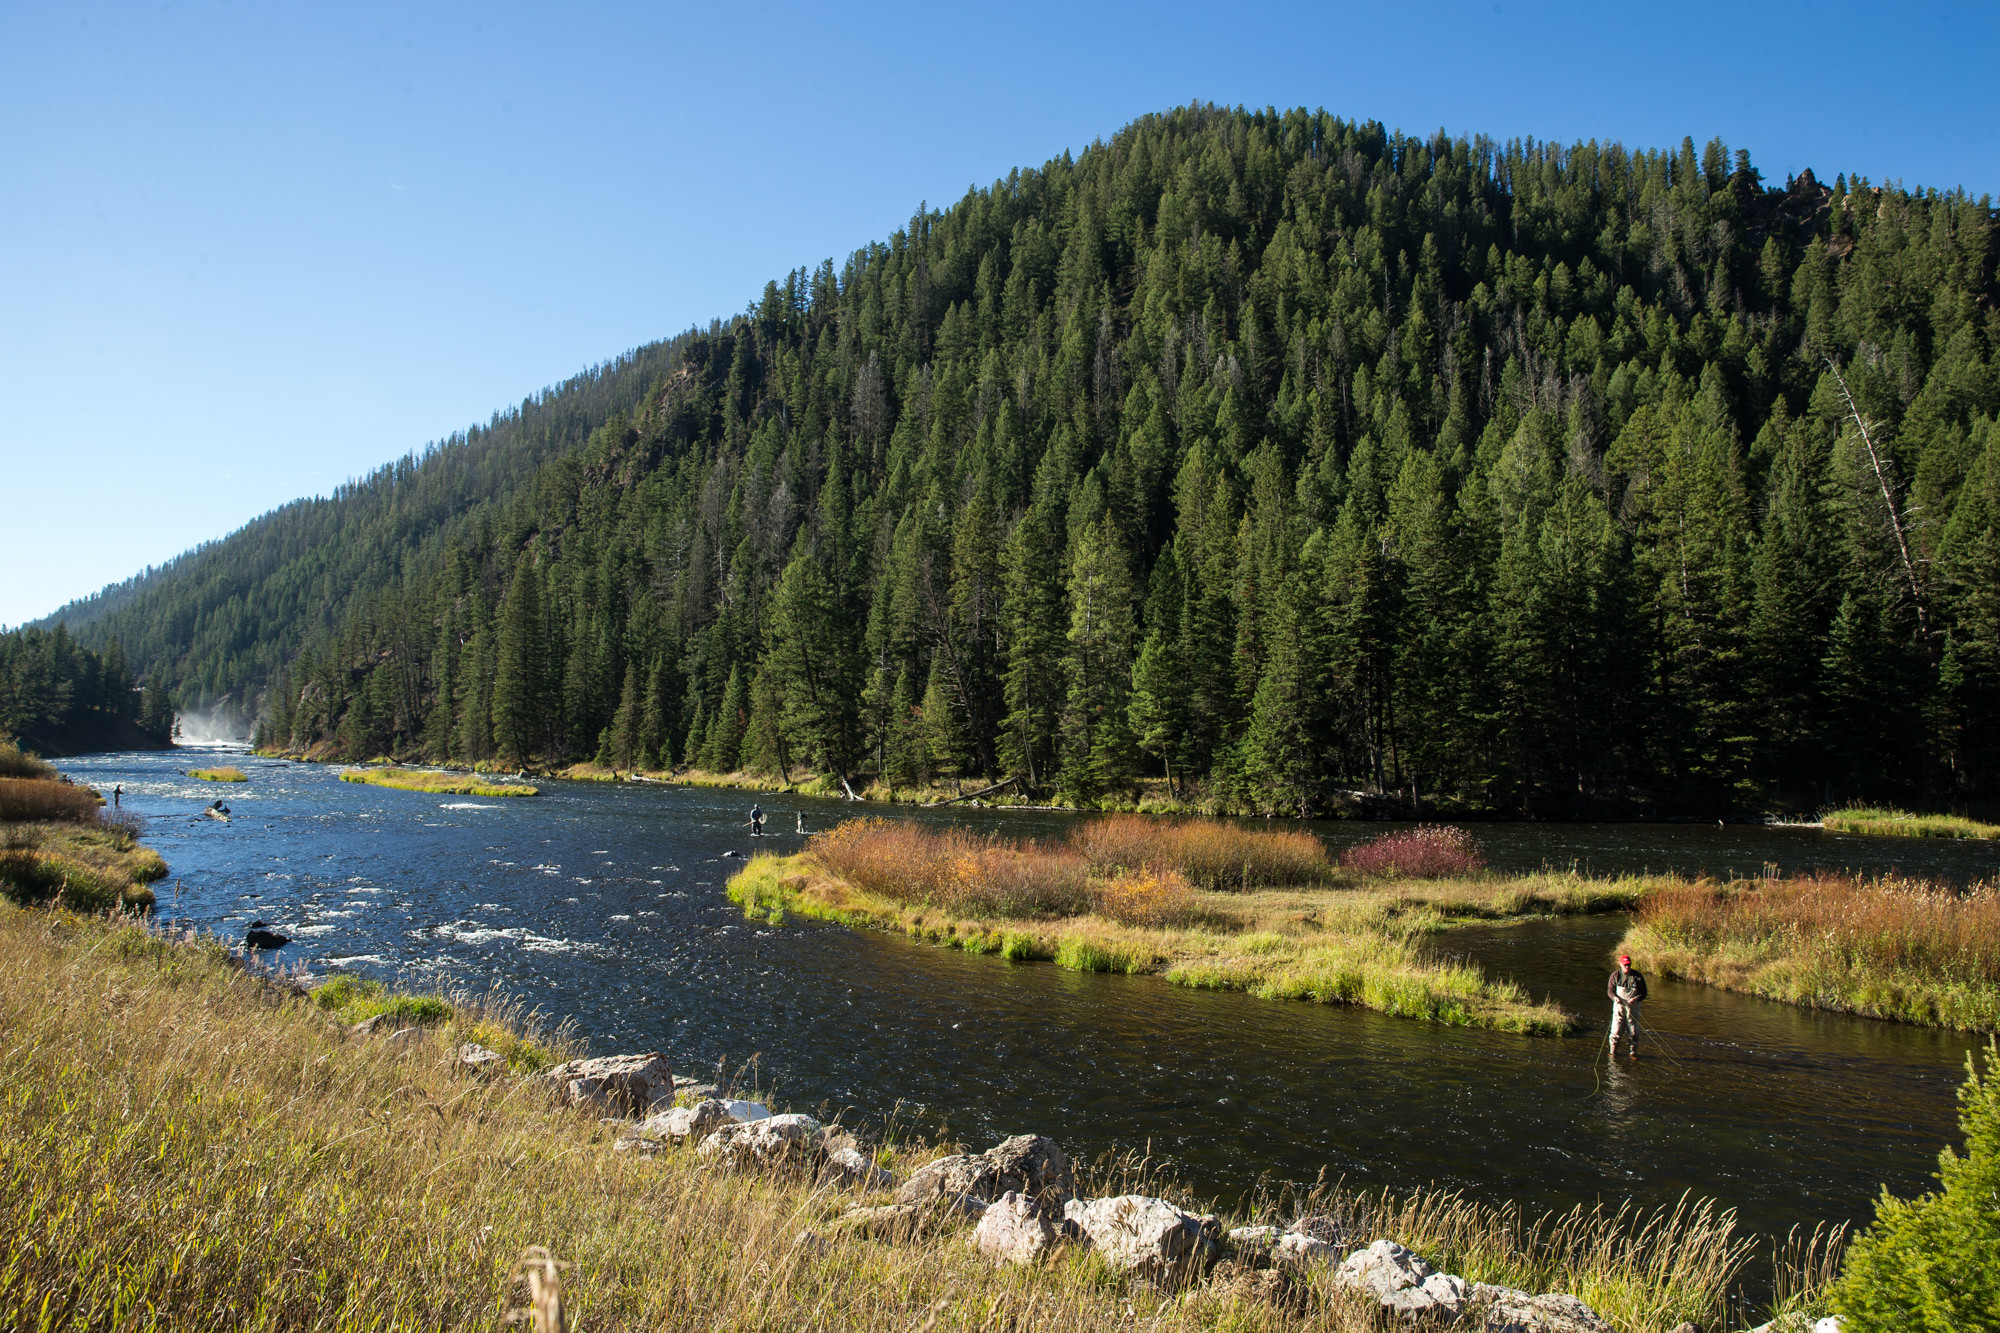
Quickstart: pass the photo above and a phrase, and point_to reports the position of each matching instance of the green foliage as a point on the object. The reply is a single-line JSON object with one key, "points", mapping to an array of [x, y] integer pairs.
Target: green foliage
{"points": [[1932, 1264], [1278, 453], [61, 697]]}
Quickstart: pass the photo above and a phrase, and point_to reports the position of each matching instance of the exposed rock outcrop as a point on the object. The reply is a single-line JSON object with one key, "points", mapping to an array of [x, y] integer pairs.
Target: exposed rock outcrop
{"points": [[626, 1084]]}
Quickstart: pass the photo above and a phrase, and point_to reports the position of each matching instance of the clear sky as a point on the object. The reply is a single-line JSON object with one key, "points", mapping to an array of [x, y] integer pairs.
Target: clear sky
{"points": [[250, 250]]}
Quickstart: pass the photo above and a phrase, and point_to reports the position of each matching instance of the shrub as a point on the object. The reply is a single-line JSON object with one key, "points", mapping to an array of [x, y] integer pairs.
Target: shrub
{"points": [[23, 799], [1211, 853], [954, 870], [18, 763], [1934, 1262], [1160, 898], [1430, 851], [355, 999]]}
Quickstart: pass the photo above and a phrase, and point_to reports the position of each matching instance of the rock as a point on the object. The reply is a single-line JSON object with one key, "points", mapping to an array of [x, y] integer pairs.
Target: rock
{"points": [[1299, 1253], [775, 1141], [480, 1060], [1143, 1235], [1013, 1230], [689, 1091], [645, 1144], [852, 1167], [1253, 1244], [628, 1084], [890, 1221], [402, 1036], [1830, 1324], [1402, 1281], [1506, 1310], [368, 1026], [744, 1112], [682, 1123], [1321, 1227], [1027, 1164]]}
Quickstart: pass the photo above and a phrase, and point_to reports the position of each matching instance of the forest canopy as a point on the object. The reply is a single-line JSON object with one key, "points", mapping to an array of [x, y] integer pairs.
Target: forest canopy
{"points": [[1269, 452]]}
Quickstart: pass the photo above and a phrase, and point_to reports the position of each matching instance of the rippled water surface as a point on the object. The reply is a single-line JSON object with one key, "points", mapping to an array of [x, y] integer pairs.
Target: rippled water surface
{"points": [[604, 903]]}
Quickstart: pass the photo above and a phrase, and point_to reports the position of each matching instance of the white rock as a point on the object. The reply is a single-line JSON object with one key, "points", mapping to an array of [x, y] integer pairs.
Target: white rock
{"points": [[853, 1167], [1253, 1241], [480, 1059], [629, 1084], [1508, 1310], [773, 1141], [1401, 1280], [682, 1123], [1297, 1252], [1830, 1324], [1013, 1230], [1137, 1232], [744, 1112]]}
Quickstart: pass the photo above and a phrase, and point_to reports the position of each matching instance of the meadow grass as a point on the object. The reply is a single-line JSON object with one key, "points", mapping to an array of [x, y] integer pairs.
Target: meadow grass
{"points": [[1364, 945], [18, 763], [1885, 947], [187, 1145], [439, 784], [219, 774], [28, 799], [1882, 822], [91, 866]]}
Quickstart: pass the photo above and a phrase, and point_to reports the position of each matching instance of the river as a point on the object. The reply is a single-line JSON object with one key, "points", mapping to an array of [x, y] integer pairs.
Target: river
{"points": [[603, 904]]}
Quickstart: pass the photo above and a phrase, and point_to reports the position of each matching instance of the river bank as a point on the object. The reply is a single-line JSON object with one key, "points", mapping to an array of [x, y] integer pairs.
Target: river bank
{"points": [[265, 1115], [60, 843]]}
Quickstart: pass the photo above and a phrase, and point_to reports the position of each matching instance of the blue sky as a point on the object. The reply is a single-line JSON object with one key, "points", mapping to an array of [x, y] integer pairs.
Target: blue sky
{"points": [[248, 251]]}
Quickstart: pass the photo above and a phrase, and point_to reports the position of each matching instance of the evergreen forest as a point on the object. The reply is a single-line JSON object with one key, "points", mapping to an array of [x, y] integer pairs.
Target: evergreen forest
{"points": [[1273, 455], [57, 697]]}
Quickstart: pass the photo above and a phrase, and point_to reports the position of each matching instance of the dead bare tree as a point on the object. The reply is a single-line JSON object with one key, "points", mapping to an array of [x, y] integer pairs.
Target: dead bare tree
{"points": [[1896, 525]]}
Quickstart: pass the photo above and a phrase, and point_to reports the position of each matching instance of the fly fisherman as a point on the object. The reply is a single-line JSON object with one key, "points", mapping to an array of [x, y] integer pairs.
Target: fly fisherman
{"points": [[756, 821], [1627, 989]]}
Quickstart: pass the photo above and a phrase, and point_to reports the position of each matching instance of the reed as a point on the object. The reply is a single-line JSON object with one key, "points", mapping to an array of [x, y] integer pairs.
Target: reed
{"points": [[25, 799], [439, 784], [188, 1146], [1887, 947], [1886, 823]]}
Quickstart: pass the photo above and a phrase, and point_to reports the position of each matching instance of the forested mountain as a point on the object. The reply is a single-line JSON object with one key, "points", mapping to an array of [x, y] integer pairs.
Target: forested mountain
{"points": [[1276, 452], [59, 698]]}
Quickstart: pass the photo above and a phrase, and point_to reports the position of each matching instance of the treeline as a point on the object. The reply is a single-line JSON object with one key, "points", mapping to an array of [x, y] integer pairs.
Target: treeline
{"points": [[57, 697], [1274, 452]]}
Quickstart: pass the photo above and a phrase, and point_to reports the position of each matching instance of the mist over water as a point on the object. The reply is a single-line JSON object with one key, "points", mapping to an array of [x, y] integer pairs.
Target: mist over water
{"points": [[218, 726], [604, 903]]}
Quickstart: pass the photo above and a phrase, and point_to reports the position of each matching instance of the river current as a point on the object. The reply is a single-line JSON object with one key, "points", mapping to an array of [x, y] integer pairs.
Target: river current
{"points": [[604, 904]]}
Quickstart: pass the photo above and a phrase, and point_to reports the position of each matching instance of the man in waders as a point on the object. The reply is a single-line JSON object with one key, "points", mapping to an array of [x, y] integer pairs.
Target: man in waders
{"points": [[756, 821], [1627, 989]]}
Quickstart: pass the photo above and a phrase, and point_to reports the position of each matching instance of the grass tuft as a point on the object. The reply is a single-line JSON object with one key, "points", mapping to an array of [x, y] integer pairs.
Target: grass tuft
{"points": [[1886, 823], [440, 784], [219, 774]]}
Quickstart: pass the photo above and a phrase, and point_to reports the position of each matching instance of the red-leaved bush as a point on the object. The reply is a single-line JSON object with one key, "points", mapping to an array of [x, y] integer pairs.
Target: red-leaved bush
{"points": [[1429, 851]]}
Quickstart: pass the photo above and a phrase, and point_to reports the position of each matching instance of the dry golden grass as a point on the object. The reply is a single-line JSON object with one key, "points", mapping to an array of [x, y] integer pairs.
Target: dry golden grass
{"points": [[1886, 947], [186, 1146], [1211, 853], [23, 799]]}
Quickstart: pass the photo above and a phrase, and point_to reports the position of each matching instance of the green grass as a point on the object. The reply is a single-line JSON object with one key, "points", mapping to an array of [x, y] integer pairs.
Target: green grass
{"points": [[440, 784], [351, 999], [219, 774], [1886, 823], [1326, 945]]}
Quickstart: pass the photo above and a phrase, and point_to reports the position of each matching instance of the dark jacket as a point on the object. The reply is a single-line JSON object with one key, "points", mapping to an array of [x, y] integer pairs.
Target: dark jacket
{"points": [[1637, 979]]}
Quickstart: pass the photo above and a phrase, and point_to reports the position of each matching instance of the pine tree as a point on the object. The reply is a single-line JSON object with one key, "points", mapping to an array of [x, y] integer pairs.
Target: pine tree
{"points": [[520, 678], [1096, 740]]}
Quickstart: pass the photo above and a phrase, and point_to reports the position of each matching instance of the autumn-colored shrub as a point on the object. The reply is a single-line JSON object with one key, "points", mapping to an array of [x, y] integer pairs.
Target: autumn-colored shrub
{"points": [[1159, 898], [40, 798], [1429, 851], [1211, 853], [956, 870]]}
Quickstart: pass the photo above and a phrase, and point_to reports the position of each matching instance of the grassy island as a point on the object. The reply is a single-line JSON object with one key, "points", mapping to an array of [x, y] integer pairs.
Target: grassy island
{"points": [[1199, 902], [1885, 948], [1886, 823], [219, 774], [436, 783]]}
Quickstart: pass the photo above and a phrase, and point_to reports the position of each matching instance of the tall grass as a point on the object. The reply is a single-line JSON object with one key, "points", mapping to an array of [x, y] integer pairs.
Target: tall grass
{"points": [[1429, 851], [1888, 947], [955, 870], [18, 763], [185, 1146], [1886, 823], [441, 784], [1213, 854], [23, 799]]}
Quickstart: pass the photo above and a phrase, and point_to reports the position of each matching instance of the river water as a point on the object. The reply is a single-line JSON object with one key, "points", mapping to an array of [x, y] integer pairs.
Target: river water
{"points": [[604, 903]]}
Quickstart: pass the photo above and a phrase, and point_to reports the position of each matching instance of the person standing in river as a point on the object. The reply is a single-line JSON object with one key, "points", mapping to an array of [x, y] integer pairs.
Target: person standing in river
{"points": [[1627, 990], [756, 821]]}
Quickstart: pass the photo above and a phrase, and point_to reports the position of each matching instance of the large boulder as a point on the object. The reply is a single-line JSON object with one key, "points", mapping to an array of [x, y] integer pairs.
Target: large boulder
{"points": [[626, 1084], [1506, 1310], [1142, 1235], [1025, 1164], [1402, 1281], [775, 1141], [1014, 1230]]}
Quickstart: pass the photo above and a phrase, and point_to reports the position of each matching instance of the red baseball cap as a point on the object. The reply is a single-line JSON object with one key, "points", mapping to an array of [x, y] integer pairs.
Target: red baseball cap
{"points": [[1624, 957]]}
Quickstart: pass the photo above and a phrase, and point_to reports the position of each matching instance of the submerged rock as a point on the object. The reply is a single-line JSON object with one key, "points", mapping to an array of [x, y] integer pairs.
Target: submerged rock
{"points": [[1146, 1236], [1013, 1230], [628, 1084]]}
